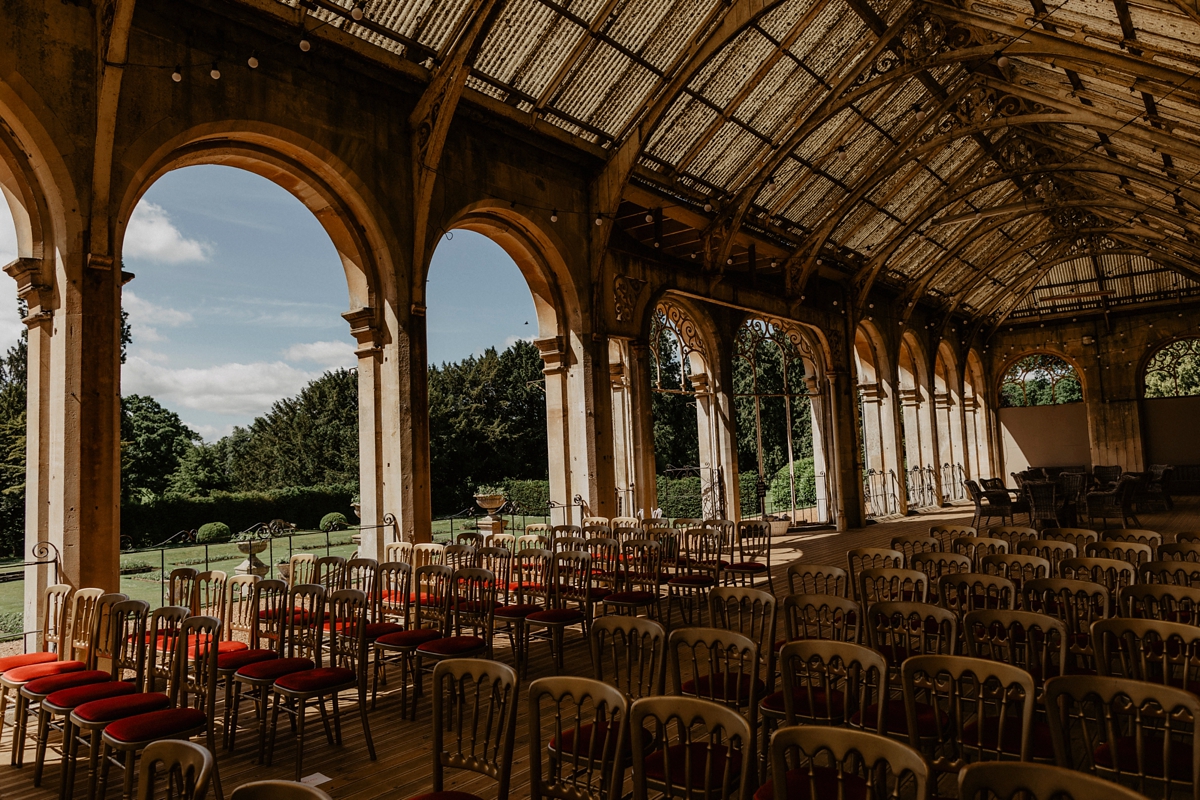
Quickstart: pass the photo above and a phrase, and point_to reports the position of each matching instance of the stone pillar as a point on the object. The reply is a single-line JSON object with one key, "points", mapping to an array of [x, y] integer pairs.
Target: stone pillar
{"points": [[404, 425], [370, 433], [641, 417], [843, 455], [914, 451], [881, 439], [822, 436], [558, 434], [718, 449], [592, 426]]}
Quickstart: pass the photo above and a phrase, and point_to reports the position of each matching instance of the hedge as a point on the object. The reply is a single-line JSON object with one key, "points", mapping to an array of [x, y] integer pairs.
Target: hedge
{"points": [[532, 496], [153, 521]]}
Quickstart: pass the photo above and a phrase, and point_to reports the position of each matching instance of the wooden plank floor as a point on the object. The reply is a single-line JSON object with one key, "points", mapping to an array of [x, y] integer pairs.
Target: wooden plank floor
{"points": [[404, 747]]}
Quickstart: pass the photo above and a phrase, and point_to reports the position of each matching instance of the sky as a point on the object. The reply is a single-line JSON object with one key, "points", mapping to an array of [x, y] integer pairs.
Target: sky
{"points": [[239, 293]]}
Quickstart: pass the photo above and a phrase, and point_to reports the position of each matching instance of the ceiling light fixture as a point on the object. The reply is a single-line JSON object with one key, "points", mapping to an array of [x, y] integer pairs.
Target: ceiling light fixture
{"points": [[177, 76], [215, 73]]}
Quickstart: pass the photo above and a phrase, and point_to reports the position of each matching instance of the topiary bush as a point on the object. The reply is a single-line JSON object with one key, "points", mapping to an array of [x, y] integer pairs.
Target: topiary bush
{"points": [[779, 495], [213, 533], [334, 521]]}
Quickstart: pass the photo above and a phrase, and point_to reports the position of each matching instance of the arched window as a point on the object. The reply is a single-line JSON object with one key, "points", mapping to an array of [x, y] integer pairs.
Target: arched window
{"points": [[1174, 371], [1040, 379], [676, 354]]}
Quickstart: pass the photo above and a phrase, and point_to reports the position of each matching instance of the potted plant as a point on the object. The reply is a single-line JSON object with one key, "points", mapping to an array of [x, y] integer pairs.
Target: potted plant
{"points": [[490, 498]]}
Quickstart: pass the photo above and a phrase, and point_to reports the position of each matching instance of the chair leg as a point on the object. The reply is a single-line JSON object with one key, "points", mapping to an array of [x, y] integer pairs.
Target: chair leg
{"points": [[231, 732], [19, 719], [331, 735], [127, 786], [102, 788], [216, 774], [70, 754], [228, 715], [264, 697], [43, 736], [418, 684], [362, 713], [270, 741], [96, 766], [300, 708], [375, 677]]}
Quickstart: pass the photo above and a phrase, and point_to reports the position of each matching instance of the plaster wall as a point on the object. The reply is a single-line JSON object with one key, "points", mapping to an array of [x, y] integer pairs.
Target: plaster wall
{"points": [[1045, 436], [1172, 427]]}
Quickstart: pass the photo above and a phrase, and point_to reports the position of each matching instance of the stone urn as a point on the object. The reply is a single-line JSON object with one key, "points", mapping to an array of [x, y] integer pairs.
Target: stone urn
{"points": [[252, 565], [492, 523]]}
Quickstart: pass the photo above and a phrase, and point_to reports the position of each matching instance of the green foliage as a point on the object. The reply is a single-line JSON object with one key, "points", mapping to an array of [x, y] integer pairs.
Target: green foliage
{"points": [[157, 518], [676, 435], [213, 533], [1174, 371], [487, 423], [489, 490], [1040, 379], [201, 470], [533, 497], [334, 521], [760, 368], [780, 493], [12, 446], [153, 441], [679, 497]]}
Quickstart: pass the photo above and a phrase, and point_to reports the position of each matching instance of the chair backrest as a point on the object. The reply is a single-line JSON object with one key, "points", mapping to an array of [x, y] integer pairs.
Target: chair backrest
{"points": [[596, 531], [1106, 474], [910, 544], [935, 565], [982, 709], [195, 667], [1009, 780], [1108, 572], [838, 758], [1156, 730], [304, 621], [1077, 603], [241, 616], [606, 561], [301, 569], [1148, 650], [827, 617], [860, 558], [278, 790], [186, 767], [978, 547], [498, 561], [1179, 551], [601, 522], [538, 529], [346, 618], [531, 574], [1140, 535], [362, 574], [208, 596], [948, 533], [508, 541], [475, 594], [625, 522], [562, 544], [722, 665], [1136, 553], [181, 587], [703, 549], [433, 592], [754, 540], [878, 585], [565, 531], [629, 653], [641, 565], [1052, 550], [458, 556], [1036, 643], [427, 553], [1080, 537], [101, 646], [899, 630], [267, 601], [1016, 568], [165, 624], [571, 578], [567, 764], [1178, 573], [1012, 534], [1188, 537], [80, 618], [969, 591], [474, 719], [395, 589], [1160, 601], [532, 541], [750, 612], [398, 551], [128, 645], [625, 533], [817, 579], [54, 618], [827, 683], [687, 747], [470, 538]]}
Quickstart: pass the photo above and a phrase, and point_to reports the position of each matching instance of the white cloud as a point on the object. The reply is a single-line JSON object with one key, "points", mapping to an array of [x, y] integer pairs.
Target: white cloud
{"points": [[10, 321], [144, 312], [151, 355], [236, 389], [511, 340], [151, 235], [327, 354], [210, 433]]}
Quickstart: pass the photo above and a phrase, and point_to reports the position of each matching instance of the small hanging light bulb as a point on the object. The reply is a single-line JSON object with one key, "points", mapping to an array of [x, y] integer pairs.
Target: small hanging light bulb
{"points": [[1002, 62], [215, 73], [599, 221], [649, 217], [305, 45], [708, 206], [356, 13], [252, 61], [554, 215], [177, 76]]}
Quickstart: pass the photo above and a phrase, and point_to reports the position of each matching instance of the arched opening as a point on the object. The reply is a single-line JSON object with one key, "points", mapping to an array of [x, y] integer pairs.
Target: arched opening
{"points": [[776, 379], [487, 390], [1043, 417], [948, 412], [920, 448], [14, 347], [977, 411], [1170, 406], [879, 424]]}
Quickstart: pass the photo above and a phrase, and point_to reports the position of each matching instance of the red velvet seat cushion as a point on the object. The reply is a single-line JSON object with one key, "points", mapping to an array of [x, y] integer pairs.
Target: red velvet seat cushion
{"points": [[409, 638], [452, 645], [557, 616], [377, 629], [54, 683], [316, 680], [747, 566], [800, 784], [126, 705], [724, 687], [274, 669], [1040, 743], [34, 671], [536, 588], [236, 661], [157, 724], [569, 744], [25, 660], [692, 581], [517, 610], [678, 758], [635, 597], [896, 719], [816, 703], [1152, 756], [77, 696], [231, 646]]}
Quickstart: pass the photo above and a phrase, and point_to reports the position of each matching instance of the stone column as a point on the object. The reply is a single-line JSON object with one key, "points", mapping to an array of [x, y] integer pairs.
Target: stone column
{"points": [[558, 434], [623, 436], [910, 401], [641, 416], [404, 424], [370, 433], [822, 436], [847, 488], [592, 426]]}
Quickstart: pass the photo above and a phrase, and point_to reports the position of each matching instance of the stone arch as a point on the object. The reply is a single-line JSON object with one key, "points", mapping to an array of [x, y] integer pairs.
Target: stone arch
{"points": [[1006, 364], [878, 392], [923, 478], [392, 457], [950, 422], [977, 410], [1148, 358]]}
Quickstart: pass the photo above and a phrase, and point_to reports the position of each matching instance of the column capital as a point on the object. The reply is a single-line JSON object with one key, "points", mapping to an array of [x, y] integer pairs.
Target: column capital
{"points": [[701, 383], [910, 397], [554, 354], [871, 392], [364, 330], [26, 272]]}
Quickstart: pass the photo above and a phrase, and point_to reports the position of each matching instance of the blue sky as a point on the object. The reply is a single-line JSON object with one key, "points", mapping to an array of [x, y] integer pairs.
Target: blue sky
{"points": [[239, 292]]}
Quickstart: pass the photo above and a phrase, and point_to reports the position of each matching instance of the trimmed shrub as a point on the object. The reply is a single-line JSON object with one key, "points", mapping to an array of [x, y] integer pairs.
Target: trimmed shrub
{"points": [[213, 533], [334, 521], [779, 496], [532, 496], [153, 521], [679, 497]]}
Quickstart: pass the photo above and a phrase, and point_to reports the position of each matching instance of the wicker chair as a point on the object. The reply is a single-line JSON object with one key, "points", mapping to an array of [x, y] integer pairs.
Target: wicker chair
{"points": [[1106, 476], [1043, 502], [989, 504], [1115, 502], [1155, 492]]}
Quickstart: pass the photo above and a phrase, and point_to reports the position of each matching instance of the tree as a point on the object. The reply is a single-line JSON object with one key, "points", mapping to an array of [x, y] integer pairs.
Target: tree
{"points": [[153, 442], [202, 470]]}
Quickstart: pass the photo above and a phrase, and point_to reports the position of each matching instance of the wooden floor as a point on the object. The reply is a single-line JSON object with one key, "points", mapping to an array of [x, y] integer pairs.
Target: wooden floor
{"points": [[403, 766]]}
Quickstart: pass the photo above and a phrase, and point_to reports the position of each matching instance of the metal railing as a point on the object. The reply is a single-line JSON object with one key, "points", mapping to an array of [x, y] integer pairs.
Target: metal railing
{"points": [[953, 476], [515, 518], [12, 623], [921, 483], [882, 492]]}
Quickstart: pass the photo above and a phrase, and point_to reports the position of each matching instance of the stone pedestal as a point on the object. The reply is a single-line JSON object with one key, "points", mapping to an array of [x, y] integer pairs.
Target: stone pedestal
{"points": [[252, 565], [491, 525]]}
